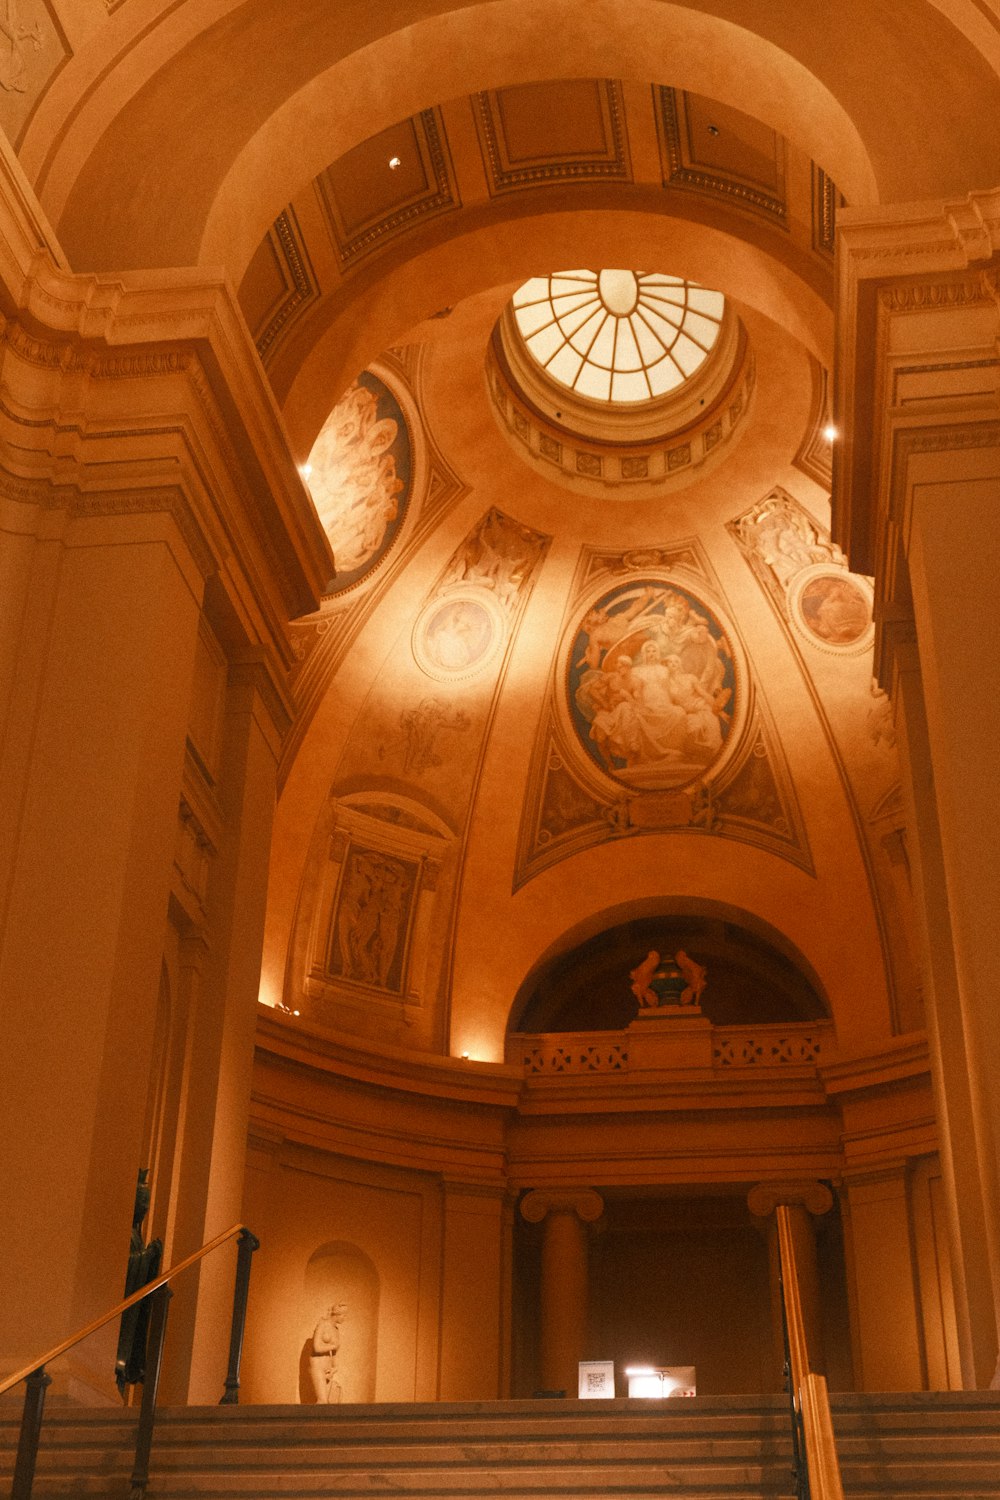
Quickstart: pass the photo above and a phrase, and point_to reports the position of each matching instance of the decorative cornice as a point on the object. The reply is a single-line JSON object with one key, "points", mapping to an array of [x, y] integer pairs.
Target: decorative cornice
{"points": [[302, 283]]}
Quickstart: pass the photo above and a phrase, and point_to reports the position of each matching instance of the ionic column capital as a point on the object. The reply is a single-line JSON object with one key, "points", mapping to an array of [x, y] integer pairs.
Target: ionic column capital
{"points": [[540, 1202], [763, 1199]]}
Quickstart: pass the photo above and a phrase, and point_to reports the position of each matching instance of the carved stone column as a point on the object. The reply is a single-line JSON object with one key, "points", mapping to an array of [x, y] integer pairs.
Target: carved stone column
{"points": [[565, 1216], [805, 1201], [916, 484]]}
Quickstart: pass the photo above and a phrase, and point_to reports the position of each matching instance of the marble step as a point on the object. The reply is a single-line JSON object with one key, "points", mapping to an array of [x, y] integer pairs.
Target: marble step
{"points": [[924, 1446]]}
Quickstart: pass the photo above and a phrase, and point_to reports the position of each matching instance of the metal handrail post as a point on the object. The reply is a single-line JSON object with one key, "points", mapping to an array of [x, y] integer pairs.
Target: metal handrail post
{"points": [[150, 1385], [800, 1469], [247, 1244], [31, 1426]]}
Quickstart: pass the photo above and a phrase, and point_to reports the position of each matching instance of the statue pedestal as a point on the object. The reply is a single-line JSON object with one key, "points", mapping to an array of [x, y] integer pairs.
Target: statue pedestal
{"points": [[670, 1036]]}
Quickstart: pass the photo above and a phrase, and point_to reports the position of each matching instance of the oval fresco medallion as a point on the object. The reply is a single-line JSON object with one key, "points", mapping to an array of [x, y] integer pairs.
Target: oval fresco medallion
{"points": [[458, 633], [360, 477], [833, 607], [651, 685]]}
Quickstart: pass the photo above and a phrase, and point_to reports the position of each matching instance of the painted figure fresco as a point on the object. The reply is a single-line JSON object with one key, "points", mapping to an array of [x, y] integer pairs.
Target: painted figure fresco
{"points": [[651, 684], [834, 609], [360, 477], [458, 635]]}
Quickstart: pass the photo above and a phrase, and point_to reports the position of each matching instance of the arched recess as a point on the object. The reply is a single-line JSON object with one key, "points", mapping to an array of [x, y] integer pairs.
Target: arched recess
{"points": [[345, 333], [835, 944], [587, 969], [227, 175], [340, 1276]]}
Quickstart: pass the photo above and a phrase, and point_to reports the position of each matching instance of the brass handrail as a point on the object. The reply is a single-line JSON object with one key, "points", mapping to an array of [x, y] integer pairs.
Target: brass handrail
{"points": [[145, 1291], [809, 1390]]}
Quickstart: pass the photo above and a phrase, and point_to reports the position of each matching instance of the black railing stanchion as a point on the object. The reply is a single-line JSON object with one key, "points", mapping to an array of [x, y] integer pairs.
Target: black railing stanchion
{"points": [[246, 1245], [160, 1300], [31, 1425], [800, 1468]]}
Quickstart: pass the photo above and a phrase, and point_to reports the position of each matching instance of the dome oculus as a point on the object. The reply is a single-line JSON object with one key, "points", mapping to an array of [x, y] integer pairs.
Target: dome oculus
{"points": [[618, 336]]}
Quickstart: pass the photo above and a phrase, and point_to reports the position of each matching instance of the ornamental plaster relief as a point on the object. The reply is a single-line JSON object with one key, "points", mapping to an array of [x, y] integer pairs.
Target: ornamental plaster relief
{"points": [[826, 613]]}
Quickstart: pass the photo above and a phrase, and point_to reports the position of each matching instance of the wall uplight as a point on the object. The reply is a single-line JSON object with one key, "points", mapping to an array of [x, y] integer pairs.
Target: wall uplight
{"points": [[658, 1382]]}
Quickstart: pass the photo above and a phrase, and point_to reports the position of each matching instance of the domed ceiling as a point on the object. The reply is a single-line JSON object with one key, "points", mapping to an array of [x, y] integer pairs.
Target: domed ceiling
{"points": [[531, 713]]}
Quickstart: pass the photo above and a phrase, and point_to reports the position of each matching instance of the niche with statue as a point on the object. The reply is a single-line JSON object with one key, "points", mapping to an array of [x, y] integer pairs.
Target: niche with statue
{"points": [[338, 1326]]}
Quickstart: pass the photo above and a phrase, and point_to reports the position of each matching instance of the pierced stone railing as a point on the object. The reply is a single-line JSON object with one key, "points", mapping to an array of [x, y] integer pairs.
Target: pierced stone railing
{"points": [[557, 1053], [769, 1046]]}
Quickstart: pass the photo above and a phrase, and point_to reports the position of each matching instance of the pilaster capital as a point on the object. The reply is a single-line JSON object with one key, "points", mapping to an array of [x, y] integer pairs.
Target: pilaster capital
{"points": [[540, 1202], [763, 1199]]}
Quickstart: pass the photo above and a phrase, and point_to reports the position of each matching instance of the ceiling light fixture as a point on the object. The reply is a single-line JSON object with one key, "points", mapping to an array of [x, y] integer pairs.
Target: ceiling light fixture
{"points": [[394, 162]]}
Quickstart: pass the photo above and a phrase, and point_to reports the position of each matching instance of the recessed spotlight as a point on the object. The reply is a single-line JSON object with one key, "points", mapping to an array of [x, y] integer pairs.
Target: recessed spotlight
{"points": [[394, 163], [713, 130], [305, 470], [830, 432]]}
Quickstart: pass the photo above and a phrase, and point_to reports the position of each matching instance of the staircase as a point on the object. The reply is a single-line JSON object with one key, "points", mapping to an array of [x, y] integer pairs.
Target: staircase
{"points": [[914, 1447]]}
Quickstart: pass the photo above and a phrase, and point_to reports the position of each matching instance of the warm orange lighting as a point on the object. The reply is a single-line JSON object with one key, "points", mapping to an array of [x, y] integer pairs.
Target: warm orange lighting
{"points": [[830, 432]]}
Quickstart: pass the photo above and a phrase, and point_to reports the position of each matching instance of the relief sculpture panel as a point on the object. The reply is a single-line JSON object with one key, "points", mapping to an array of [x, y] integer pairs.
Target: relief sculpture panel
{"points": [[372, 918]]}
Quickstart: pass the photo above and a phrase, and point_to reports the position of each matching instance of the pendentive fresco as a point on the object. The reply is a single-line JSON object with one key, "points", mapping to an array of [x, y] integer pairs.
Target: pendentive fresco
{"points": [[651, 685], [650, 724], [359, 476]]}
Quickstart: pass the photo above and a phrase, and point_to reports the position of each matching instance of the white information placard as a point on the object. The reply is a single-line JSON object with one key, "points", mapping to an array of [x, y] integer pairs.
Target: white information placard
{"points": [[597, 1379]]}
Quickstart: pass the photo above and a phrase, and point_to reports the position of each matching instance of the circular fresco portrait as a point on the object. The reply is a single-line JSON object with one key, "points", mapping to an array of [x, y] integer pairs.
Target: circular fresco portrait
{"points": [[651, 685], [833, 607], [457, 635], [359, 477]]}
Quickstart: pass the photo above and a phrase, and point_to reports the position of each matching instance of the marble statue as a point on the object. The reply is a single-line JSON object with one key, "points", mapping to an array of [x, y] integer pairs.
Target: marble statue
{"points": [[323, 1355]]}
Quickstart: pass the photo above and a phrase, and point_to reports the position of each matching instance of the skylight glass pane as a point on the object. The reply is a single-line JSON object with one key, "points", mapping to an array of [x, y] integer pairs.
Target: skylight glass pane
{"points": [[585, 335], [564, 306], [535, 290], [530, 319], [562, 286], [594, 383], [701, 300], [664, 330], [629, 387], [627, 356], [650, 347], [583, 327], [574, 321], [544, 344], [603, 346], [701, 329], [665, 377], [565, 365], [687, 355], [665, 306]]}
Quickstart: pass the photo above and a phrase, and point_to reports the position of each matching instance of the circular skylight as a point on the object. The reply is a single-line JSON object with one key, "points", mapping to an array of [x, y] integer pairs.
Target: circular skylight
{"points": [[618, 336]]}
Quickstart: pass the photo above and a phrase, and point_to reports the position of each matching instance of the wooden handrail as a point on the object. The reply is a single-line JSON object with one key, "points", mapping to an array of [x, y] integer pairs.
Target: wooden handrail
{"points": [[809, 1390], [145, 1291]]}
